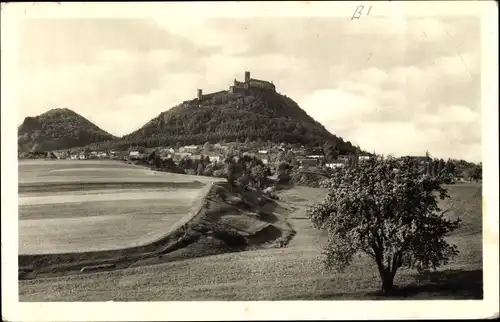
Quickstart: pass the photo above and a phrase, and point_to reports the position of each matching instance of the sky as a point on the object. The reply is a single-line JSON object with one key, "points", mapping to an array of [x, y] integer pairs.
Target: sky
{"points": [[399, 86]]}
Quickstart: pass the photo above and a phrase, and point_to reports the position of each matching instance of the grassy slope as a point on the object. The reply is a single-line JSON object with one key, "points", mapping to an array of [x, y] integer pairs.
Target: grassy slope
{"points": [[294, 272]]}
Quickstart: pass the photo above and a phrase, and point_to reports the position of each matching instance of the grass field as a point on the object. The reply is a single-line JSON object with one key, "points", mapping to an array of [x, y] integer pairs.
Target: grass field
{"points": [[95, 225], [290, 273], [55, 219], [60, 175]]}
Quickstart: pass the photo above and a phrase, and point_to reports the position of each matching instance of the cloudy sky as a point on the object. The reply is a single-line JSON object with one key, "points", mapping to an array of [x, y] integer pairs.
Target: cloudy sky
{"points": [[391, 85]]}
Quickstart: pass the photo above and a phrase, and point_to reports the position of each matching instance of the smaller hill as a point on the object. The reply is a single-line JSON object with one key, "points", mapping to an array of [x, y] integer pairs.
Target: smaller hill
{"points": [[57, 129]]}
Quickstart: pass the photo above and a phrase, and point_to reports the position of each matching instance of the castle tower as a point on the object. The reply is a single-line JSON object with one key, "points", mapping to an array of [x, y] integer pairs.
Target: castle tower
{"points": [[247, 76], [200, 94]]}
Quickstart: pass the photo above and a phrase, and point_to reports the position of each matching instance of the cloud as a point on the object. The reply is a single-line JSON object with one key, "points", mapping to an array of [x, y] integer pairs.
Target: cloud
{"points": [[380, 83], [405, 110]]}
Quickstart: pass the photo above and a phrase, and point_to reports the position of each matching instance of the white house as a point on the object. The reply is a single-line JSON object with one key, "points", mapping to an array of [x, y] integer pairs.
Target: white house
{"points": [[316, 156], [262, 152], [214, 158], [299, 151], [179, 155], [364, 157], [189, 148], [336, 164], [60, 155], [134, 154]]}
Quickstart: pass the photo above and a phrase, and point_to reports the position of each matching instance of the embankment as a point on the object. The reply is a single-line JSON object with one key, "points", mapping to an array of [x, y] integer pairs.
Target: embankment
{"points": [[231, 219]]}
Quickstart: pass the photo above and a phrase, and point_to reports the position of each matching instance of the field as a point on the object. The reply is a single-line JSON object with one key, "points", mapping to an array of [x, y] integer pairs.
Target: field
{"points": [[290, 273], [75, 219]]}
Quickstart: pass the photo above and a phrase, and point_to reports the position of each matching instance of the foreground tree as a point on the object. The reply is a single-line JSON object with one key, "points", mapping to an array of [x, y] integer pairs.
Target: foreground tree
{"points": [[386, 209]]}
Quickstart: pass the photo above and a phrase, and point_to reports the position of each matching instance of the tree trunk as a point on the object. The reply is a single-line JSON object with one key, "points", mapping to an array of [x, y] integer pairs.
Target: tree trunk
{"points": [[387, 281]]}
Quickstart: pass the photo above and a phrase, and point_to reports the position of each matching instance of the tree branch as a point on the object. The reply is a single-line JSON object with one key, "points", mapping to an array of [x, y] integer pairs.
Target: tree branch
{"points": [[366, 251]]}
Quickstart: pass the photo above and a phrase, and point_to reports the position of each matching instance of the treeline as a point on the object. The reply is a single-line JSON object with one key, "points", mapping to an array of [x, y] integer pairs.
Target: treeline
{"points": [[243, 171]]}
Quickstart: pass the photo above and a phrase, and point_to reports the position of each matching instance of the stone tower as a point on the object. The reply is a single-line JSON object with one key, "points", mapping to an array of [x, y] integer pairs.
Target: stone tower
{"points": [[247, 76], [200, 94]]}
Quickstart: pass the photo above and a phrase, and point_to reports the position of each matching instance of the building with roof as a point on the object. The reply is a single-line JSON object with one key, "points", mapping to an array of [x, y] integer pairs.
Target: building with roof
{"points": [[239, 87]]}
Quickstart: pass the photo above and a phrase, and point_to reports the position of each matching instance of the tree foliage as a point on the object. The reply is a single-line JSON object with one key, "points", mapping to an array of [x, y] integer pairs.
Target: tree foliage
{"points": [[246, 172], [388, 210], [59, 128]]}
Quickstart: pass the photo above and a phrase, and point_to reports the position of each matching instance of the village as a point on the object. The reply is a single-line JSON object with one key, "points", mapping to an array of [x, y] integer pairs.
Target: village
{"points": [[215, 152], [186, 159]]}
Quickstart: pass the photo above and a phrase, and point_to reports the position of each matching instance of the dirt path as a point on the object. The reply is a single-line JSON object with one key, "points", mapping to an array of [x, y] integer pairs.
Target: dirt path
{"points": [[306, 235]]}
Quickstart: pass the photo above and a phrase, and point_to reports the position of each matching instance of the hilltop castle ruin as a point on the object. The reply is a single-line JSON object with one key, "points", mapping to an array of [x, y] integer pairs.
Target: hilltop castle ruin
{"points": [[241, 87]]}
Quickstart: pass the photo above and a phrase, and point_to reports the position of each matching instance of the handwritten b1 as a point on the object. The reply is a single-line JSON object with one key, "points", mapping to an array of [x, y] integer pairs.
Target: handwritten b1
{"points": [[359, 11]]}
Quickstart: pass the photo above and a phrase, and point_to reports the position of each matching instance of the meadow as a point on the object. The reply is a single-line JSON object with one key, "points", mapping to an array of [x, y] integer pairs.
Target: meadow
{"points": [[290, 273], [66, 214]]}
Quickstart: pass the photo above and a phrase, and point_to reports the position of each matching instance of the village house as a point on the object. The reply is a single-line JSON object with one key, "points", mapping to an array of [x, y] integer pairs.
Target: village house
{"points": [[364, 157], [315, 156], [51, 155], [196, 157], [188, 148], [307, 163], [166, 152], [250, 154], [262, 152], [179, 155], [219, 147], [336, 164], [166, 158], [58, 155], [214, 158], [343, 158], [134, 154], [299, 152]]}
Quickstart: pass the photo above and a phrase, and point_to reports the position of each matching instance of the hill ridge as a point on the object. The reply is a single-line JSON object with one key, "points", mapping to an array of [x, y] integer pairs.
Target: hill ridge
{"points": [[58, 128], [250, 109]]}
